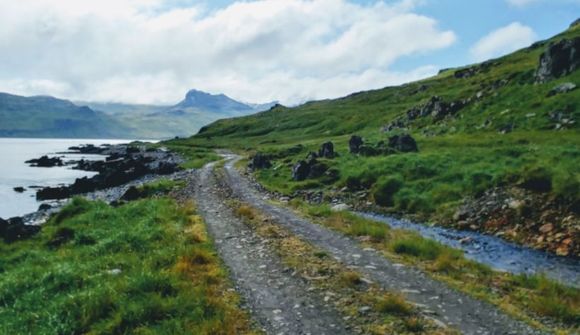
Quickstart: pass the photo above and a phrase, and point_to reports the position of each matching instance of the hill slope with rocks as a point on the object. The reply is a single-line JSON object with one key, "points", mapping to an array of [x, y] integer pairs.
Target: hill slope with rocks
{"points": [[491, 147]]}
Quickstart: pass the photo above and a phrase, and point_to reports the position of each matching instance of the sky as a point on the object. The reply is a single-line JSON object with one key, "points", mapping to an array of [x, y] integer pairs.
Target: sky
{"points": [[291, 51]]}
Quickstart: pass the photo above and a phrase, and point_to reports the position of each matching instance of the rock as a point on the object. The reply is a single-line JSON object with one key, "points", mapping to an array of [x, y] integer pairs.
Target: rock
{"points": [[300, 171], [259, 162], [19, 189], [355, 143], [88, 149], [546, 228], [327, 150], [364, 310], [562, 88], [50, 193], [44, 207], [560, 59], [465, 73], [114, 272], [309, 168], [14, 229], [508, 128], [45, 161], [403, 143], [131, 194], [340, 208], [466, 240]]}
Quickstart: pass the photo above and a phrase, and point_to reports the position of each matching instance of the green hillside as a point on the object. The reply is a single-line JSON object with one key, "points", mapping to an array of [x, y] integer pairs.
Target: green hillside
{"points": [[498, 124], [50, 117]]}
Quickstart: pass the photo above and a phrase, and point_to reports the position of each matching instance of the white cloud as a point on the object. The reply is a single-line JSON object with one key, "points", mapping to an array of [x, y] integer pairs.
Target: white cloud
{"points": [[502, 41], [521, 3], [141, 51]]}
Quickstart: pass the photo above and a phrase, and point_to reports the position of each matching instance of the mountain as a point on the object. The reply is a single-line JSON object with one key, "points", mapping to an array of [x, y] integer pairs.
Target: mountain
{"points": [[494, 146], [44, 116], [182, 119]]}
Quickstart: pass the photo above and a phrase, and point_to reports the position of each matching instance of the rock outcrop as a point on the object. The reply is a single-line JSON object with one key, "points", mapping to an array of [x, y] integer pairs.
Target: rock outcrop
{"points": [[326, 150], [403, 143], [14, 229], [436, 108], [354, 144], [260, 161], [560, 59], [309, 168], [562, 88], [45, 161]]}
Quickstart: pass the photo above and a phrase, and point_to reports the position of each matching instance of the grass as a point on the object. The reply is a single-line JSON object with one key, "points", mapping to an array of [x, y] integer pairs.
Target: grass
{"points": [[195, 156], [159, 187], [529, 297], [146, 267]]}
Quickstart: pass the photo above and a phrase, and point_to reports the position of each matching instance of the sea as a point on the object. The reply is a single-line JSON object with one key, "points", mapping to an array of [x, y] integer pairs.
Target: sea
{"points": [[14, 172]]}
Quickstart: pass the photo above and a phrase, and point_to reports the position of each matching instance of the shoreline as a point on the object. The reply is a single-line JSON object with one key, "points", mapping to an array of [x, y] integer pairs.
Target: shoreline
{"points": [[124, 166]]}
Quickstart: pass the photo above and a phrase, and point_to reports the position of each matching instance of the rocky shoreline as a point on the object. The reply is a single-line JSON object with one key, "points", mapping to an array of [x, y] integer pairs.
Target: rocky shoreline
{"points": [[124, 166]]}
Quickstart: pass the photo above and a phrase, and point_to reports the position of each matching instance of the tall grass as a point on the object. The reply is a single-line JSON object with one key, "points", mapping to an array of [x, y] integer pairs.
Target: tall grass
{"points": [[131, 269]]}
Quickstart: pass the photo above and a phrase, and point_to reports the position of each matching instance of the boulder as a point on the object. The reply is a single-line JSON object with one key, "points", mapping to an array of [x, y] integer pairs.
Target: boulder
{"points": [[300, 170], [50, 193], [15, 229], [327, 150], [308, 168], [562, 88], [259, 162], [560, 59], [45, 161], [44, 207], [131, 194], [355, 143], [403, 143], [19, 189]]}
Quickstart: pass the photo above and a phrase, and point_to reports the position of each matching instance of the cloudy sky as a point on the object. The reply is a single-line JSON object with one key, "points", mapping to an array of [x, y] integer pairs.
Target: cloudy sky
{"points": [[153, 51]]}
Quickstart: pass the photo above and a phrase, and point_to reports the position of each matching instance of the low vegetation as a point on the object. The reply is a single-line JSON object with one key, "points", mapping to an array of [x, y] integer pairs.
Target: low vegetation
{"points": [[146, 267], [530, 297]]}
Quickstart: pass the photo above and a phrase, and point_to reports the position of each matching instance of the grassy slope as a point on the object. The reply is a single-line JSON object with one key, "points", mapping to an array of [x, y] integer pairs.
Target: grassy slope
{"points": [[143, 268], [459, 156]]}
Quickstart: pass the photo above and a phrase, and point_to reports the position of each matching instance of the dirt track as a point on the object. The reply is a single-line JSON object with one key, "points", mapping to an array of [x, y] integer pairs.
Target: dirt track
{"points": [[282, 304]]}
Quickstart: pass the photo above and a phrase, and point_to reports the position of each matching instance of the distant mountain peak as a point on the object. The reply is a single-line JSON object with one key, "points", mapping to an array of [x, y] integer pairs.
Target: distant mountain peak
{"points": [[213, 102]]}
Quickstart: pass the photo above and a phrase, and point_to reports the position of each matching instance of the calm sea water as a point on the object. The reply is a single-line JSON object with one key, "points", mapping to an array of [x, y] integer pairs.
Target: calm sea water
{"points": [[14, 172]]}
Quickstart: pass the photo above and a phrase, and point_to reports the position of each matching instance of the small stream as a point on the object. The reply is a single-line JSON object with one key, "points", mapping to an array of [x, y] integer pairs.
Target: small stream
{"points": [[494, 252]]}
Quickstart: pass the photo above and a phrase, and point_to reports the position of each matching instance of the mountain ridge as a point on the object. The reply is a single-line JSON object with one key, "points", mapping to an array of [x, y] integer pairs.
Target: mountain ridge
{"points": [[115, 120]]}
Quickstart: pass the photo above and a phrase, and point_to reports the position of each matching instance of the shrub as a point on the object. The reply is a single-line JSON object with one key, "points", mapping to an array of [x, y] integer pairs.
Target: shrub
{"points": [[393, 304], [385, 189], [418, 247]]}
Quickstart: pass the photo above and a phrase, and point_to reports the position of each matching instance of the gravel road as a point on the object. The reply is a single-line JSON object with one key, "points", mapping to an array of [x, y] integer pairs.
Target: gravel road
{"points": [[436, 299], [280, 302]]}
